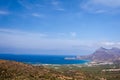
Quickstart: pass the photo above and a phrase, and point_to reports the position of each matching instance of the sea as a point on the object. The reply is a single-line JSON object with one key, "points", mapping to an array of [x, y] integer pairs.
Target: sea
{"points": [[41, 59]]}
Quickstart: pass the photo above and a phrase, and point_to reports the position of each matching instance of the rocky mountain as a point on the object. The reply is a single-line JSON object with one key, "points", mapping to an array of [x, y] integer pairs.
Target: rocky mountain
{"points": [[103, 55]]}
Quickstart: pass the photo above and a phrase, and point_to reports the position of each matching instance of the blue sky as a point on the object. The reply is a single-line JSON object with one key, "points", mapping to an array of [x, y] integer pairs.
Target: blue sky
{"points": [[63, 27]]}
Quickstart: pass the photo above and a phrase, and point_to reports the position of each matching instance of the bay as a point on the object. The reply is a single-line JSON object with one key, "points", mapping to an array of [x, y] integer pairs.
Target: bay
{"points": [[41, 59]]}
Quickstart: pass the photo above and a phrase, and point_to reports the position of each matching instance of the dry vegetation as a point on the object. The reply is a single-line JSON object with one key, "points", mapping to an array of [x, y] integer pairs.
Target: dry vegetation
{"points": [[10, 70]]}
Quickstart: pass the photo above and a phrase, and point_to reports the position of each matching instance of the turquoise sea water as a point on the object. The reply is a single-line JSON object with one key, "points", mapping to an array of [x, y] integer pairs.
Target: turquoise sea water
{"points": [[41, 59]]}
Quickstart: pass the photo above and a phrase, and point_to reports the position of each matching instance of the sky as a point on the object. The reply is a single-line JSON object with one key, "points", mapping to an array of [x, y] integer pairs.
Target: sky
{"points": [[58, 27]]}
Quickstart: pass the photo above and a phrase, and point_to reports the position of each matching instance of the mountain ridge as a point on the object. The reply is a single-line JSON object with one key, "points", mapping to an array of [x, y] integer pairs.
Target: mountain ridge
{"points": [[104, 55]]}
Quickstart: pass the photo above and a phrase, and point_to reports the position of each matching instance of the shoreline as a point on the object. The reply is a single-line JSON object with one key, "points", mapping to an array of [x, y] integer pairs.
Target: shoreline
{"points": [[58, 64]]}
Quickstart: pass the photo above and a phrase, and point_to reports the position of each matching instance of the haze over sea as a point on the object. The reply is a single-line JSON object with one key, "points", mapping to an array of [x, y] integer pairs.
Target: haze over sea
{"points": [[41, 59]]}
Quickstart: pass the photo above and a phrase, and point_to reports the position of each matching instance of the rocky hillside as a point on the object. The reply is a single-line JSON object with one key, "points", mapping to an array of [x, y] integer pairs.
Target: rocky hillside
{"points": [[10, 70], [103, 54]]}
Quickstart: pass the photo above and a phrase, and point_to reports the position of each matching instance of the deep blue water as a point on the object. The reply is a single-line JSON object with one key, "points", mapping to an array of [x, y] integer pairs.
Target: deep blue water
{"points": [[41, 59]]}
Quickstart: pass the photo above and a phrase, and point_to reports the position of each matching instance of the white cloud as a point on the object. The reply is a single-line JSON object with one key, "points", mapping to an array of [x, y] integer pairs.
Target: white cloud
{"points": [[55, 2], [60, 9], [101, 6], [19, 33], [37, 15], [73, 34], [108, 44], [25, 4], [57, 5], [3, 12], [109, 3], [100, 11], [36, 4]]}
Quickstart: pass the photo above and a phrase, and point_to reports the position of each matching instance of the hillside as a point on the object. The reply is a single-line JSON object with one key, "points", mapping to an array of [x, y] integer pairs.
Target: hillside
{"points": [[10, 70]]}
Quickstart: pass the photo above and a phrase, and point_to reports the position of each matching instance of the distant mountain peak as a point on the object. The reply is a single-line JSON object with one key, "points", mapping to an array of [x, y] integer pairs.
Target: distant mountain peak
{"points": [[115, 48], [101, 49], [103, 54]]}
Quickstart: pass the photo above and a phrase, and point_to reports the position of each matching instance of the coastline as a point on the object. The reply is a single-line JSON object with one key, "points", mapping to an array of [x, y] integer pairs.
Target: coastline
{"points": [[39, 64]]}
